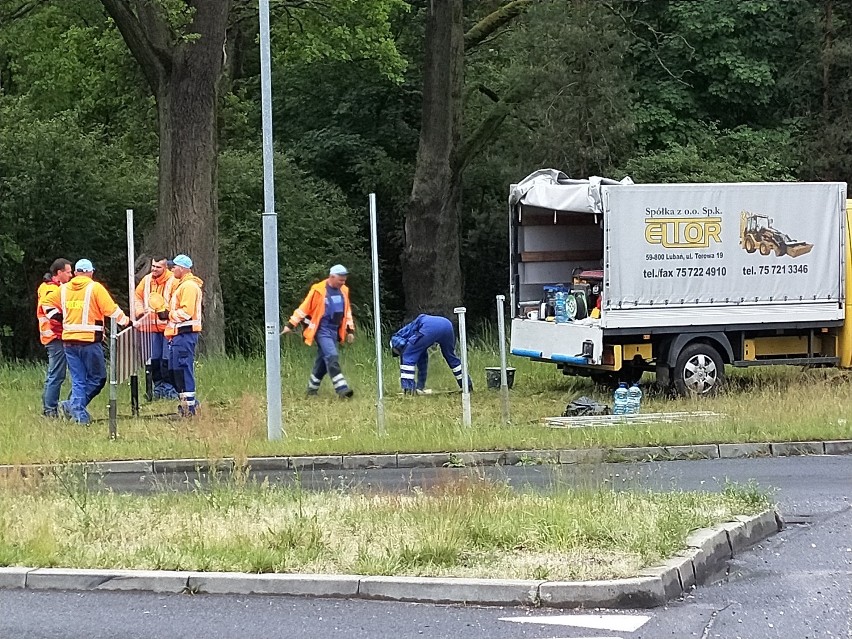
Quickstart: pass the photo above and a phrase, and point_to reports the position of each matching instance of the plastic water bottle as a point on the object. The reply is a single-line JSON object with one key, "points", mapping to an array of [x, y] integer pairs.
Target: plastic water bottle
{"points": [[620, 406], [561, 308], [634, 399]]}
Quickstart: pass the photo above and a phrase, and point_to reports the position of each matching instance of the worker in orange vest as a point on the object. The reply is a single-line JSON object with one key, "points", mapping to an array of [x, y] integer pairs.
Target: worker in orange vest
{"points": [[182, 331], [152, 296], [328, 318], [50, 333], [83, 304]]}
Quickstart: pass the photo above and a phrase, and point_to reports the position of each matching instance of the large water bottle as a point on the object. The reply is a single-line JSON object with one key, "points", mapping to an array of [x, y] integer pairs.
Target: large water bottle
{"points": [[620, 400], [561, 307], [634, 399]]}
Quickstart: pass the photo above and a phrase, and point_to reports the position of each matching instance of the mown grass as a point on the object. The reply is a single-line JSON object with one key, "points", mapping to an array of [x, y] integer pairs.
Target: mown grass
{"points": [[768, 404], [471, 527]]}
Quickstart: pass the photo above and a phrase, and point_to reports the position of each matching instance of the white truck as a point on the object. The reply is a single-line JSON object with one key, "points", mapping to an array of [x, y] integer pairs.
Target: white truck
{"points": [[679, 279]]}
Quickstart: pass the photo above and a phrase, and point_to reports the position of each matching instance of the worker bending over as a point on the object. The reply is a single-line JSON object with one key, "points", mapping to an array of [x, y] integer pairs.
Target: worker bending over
{"points": [[411, 344]]}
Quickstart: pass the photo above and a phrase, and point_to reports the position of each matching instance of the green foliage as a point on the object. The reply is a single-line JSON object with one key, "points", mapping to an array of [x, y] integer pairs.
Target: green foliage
{"points": [[69, 58], [345, 30], [63, 193], [739, 155], [316, 228]]}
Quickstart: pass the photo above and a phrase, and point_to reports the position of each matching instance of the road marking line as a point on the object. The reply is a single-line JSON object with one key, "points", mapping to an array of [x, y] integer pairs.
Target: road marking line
{"points": [[618, 623]]}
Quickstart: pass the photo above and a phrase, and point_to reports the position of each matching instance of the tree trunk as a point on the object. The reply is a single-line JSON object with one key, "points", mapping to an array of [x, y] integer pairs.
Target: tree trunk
{"points": [[431, 267], [188, 213], [184, 72]]}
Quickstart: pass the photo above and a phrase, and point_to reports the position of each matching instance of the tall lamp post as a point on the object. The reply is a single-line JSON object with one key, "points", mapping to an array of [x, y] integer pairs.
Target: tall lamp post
{"points": [[274, 430]]}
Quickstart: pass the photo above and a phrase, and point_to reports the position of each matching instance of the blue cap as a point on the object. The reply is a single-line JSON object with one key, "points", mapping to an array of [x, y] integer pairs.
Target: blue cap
{"points": [[84, 266], [183, 260], [338, 269]]}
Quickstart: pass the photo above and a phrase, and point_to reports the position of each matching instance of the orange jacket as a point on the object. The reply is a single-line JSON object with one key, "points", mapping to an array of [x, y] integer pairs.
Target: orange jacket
{"points": [[49, 329], [185, 306], [84, 303], [144, 312], [312, 309]]}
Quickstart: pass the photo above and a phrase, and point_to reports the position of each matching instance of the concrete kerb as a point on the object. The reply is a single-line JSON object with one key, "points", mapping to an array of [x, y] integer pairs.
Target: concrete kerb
{"points": [[707, 554], [465, 458]]}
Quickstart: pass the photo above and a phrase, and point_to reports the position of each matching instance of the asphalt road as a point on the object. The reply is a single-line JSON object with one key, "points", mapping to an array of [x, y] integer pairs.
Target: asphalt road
{"points": [[795, 585]]}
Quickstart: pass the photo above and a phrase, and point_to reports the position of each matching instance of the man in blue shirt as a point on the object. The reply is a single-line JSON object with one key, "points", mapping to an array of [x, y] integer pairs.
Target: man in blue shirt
{"points": [[411, 344]]}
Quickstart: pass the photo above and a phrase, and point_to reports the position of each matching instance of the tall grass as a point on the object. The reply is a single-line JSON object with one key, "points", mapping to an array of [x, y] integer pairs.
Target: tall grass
{"points": [[455, 528], [769, 404]]}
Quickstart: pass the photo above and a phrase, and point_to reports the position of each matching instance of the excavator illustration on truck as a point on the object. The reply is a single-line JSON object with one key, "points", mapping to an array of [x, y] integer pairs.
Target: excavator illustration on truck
{"points": [[758, 234]]}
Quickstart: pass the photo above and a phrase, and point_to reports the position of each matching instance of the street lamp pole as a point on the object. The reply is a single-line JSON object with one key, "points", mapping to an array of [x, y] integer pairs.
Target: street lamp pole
{"points": [[274, 430]]}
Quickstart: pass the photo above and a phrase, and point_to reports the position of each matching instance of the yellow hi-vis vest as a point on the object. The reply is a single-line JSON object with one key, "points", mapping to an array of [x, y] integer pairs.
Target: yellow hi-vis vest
{"points": [[84, 304], [185, 306]]}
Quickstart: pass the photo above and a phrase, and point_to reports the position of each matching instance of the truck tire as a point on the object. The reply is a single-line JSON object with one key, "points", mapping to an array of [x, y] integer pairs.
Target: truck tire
{"points": [[765, 249], [749, 245], [699, 371]]}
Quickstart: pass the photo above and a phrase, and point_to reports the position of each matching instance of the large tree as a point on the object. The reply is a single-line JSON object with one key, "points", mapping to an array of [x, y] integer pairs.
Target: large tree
{"points": [[430, 262], [180, 48], [187, 49]]}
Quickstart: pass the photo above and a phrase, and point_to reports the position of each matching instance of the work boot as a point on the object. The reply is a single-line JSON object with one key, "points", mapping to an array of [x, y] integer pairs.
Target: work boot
{"points": [[347, 394], [312, 392]]}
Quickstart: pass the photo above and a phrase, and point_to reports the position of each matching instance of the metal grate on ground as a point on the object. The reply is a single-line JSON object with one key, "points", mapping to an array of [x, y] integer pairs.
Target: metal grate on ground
{"points": [[587, 421]]}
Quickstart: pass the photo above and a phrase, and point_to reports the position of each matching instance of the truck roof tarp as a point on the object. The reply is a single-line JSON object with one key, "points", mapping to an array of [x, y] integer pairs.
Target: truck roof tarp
{"points": [[553, 190]]}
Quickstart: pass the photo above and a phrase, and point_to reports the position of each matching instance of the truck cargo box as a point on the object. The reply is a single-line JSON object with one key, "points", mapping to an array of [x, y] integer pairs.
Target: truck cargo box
{"points": [[671, 258]]}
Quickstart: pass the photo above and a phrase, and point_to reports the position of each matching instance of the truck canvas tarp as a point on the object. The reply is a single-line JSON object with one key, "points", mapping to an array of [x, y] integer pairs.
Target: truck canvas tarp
{"points": [[669, 258]]}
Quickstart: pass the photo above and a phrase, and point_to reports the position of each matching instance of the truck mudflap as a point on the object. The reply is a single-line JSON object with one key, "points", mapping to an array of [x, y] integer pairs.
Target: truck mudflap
{"points": [[571, 343]]}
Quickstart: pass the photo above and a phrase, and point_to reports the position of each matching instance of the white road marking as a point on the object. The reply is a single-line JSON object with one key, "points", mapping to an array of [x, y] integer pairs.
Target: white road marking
{"points": [[618, 623]]}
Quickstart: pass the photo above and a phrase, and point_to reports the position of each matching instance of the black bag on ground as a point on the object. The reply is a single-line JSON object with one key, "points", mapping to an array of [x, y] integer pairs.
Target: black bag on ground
{"points": [[583, 406]]}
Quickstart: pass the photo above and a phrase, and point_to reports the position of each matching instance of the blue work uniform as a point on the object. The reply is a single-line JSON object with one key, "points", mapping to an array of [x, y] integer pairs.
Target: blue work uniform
{"points": [[412, 342], [327, 336]]}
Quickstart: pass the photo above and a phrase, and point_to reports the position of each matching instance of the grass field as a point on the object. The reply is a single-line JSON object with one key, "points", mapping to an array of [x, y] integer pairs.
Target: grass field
{"points": [[466, 528], [768, 404]]}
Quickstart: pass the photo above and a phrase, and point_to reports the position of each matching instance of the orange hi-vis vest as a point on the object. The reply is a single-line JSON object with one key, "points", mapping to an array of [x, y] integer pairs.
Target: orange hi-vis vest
{"points": [[312, 309], [148, 322], [185, 306], [48, 329], [84, 303]]}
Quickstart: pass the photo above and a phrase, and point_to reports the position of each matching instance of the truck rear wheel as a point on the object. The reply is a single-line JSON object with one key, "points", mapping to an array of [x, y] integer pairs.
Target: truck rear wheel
{"points": [[699, 370], [749, 245]]}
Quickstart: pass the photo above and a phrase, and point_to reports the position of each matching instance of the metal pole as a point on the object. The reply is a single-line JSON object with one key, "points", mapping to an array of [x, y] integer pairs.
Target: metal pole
{"points": [[460, 311], [504, 382], [131, 292], [377, 317], [113, 383], [274, 430]]}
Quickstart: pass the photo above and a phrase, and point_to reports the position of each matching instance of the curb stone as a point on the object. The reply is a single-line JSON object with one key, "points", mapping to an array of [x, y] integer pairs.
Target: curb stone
{"points": [[466, 458], [707, 554]]}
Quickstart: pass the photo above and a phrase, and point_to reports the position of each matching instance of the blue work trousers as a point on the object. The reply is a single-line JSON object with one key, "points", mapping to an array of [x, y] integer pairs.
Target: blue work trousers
{"points": [[88, 377], [56, 367], [327, 361], [438, 330], [182, 367], [160, 376]]}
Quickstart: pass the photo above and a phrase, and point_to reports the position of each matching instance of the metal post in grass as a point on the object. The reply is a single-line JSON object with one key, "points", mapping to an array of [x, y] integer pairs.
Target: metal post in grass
{"points": [[113, 379], [274, 428], [377, 317], [131, 293], [504, 380], [460, 311]]}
